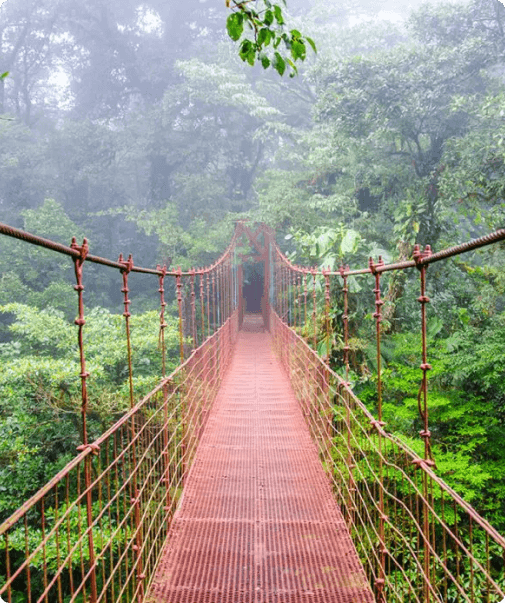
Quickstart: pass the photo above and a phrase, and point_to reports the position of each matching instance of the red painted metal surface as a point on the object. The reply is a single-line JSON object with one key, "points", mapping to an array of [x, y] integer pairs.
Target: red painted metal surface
{"points": [[258, 518], [258, 521]]}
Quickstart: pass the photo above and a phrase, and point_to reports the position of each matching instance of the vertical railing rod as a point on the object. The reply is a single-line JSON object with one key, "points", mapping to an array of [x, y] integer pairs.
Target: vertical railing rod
{"points": [[80, 321], [135, 501], [422, 400], [378, 425]]}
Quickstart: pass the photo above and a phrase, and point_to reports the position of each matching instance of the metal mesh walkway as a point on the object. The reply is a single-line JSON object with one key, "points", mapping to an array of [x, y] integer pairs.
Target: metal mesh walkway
{"points": [[258, 522]]}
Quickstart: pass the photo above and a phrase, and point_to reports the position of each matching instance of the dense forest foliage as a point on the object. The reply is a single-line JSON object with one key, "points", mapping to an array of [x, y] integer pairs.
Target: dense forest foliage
{"points": [[140, 126]]}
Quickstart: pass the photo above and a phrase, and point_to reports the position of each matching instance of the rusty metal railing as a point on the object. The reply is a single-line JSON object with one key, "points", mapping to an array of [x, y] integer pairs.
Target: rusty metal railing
{"points": [[96, 531], [417, 538]]}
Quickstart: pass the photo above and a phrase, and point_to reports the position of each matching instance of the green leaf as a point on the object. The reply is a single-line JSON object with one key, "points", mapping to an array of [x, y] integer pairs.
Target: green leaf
{"points": [[298, 50], [310, 41], [264, 37], [4, 75], [265, 61], [268, 19], [235, 26], [279, 64], [248, 52], [278, 14]]}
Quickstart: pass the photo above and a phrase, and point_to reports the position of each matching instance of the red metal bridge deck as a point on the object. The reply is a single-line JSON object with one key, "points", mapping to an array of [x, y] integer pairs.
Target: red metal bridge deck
{"points": [[258, 521]]}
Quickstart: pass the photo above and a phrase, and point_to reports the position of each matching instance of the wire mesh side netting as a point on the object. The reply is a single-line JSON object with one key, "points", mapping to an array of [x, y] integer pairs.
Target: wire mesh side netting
{"points": [[418, 540], [96, 531]]}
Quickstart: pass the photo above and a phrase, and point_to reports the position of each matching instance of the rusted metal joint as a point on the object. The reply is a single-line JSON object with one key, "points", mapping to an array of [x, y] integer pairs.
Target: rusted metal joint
{"points": [[94, 448], [424, 463], [127, 264], [373, 266], [162, 269], [377, 424], [419, 255], [82, 249], [78, 263]]}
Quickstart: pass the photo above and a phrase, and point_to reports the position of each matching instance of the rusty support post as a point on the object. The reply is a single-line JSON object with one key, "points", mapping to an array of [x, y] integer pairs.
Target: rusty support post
{"points": [[193, 309], [135, 499], [422, 398], [166, 389], [345, 318], [240, 277], [305, 294], [422, 401], [314, 308], [208, 302], [295, 299], [163, 324], [178, 284], [214, 312], [378, 425], [298, 296], [127, 266], [327, 307], [350, 456], [80, 321], [202, 308]]}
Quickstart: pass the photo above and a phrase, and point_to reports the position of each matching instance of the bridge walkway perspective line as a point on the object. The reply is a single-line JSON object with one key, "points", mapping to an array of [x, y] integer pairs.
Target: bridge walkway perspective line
{"points": [[258, 522]]}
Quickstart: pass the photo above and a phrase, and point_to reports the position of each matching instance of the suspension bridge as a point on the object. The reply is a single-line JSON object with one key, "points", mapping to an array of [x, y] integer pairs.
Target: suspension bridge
{"points": [[252, 473]]}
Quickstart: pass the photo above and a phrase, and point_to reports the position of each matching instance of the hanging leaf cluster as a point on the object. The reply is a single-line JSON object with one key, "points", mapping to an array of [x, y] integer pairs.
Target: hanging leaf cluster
{"points": [[272, 43]]}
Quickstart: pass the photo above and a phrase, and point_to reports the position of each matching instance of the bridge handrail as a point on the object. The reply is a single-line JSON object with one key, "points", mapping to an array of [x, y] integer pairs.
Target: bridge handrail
{"points": [[22, 235], [494, 237], [415, 458], [90, 448], [418, 538], [157, 435]]}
